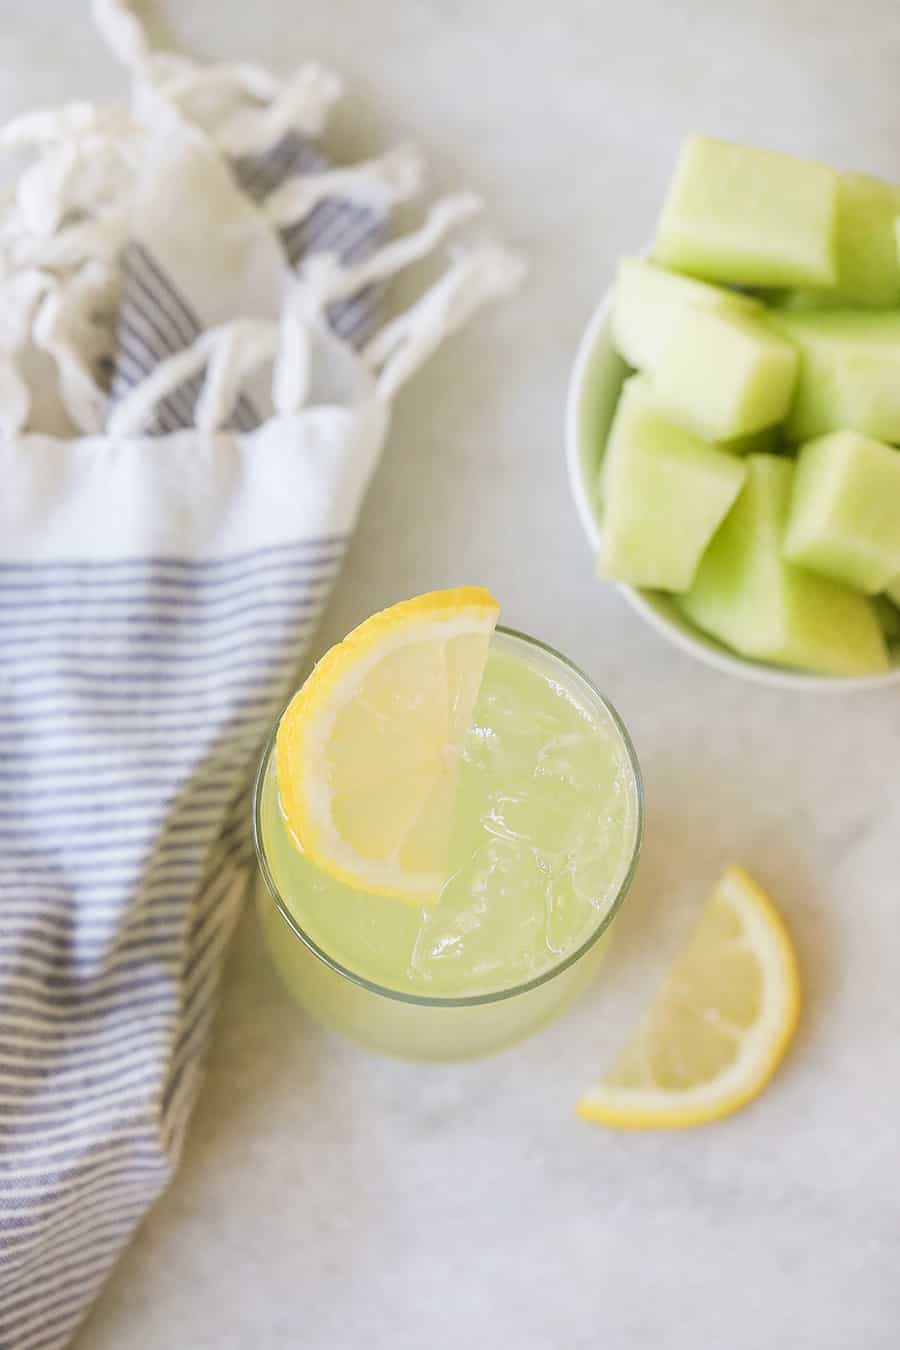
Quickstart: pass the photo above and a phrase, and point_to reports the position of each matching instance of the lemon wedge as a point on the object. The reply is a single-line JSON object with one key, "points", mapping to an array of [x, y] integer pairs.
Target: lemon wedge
{"points": [[367, 752], [719, 1026]]}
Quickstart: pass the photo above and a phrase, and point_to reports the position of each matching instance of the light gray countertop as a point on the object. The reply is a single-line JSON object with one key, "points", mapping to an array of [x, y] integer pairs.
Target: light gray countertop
{"points": [[330, 1199]]}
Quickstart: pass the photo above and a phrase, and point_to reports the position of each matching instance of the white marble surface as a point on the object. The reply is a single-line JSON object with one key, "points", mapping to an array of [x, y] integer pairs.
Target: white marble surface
{"points": [[331, 1200]]}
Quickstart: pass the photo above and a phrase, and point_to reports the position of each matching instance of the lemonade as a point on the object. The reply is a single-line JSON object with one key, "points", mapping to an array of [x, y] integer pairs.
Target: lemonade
{"points": [[545, 835]]}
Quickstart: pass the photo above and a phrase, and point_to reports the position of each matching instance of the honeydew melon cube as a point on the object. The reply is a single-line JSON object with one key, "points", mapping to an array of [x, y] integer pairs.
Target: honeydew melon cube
{"points": [[799, 301], [749, 217], [635, 397], [849, 372], [844, 520], [893, 592], [647, 302], [748, 596], [867, 255], [763, 442], [888, 616], [725, 375], [665, 494]]}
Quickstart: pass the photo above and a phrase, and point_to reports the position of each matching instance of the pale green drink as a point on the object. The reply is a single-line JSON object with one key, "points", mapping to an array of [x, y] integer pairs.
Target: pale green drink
{"points": [[544, 844]]}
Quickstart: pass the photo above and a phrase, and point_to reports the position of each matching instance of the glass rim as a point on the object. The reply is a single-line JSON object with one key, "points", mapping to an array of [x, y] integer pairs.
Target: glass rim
{"points": [[497, 995]]}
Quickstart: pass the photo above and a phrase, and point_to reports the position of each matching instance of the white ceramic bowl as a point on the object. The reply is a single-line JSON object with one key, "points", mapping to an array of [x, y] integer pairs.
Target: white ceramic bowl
{"points": [[594, 387]]}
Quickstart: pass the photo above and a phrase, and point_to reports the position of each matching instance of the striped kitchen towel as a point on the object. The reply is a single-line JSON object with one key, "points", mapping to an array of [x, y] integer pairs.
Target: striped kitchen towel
{"points": [[194, 390]]}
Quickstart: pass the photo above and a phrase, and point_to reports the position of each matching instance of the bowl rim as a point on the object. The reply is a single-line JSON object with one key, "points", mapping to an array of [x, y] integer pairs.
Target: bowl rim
{"points": [[700, 648]]}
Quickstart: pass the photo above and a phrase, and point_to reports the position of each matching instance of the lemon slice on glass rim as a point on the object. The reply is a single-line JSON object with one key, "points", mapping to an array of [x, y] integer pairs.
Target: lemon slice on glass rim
{"points": [[718, 1027], [367, 751]]}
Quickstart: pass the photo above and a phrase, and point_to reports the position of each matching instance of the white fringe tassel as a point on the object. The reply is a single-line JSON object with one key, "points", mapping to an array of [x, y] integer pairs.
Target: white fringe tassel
{"points": [[63, 233]]}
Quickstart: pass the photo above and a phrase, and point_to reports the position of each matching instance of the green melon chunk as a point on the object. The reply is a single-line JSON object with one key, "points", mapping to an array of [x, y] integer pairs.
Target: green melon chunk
{"points": [[749, 217], [868, 252], [893, 592], [849, 373], [868, 263], [888, 616], [799, 301], [635, 394], [665, 493], [844, 519], [749, 597], [725, 376], [765, 442], [647, 302]]}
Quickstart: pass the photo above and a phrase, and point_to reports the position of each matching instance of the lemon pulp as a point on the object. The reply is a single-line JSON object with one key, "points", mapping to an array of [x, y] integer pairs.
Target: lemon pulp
{"points": [[719, 1026]]}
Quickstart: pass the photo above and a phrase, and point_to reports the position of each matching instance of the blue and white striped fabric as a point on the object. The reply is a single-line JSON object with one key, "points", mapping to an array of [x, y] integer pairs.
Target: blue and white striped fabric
{"points": [[135, 694], [136, 689], [154, 319]]}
